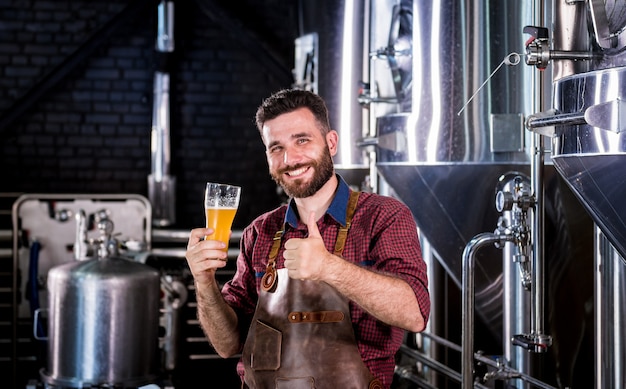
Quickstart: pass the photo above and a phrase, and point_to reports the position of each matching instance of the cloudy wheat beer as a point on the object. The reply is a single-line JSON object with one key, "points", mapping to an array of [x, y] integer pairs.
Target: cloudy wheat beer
{"points": [[220, 205], [221, 221]]}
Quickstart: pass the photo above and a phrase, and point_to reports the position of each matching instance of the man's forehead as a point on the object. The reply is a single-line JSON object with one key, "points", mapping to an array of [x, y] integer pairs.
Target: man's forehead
{"points": [[288, 127]]}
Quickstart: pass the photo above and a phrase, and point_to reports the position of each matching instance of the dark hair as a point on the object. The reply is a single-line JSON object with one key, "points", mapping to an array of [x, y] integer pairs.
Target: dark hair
{"points": [[288, 100]]}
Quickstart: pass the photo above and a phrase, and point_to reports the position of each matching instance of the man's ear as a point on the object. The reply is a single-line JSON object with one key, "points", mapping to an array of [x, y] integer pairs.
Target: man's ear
{"points": [[332, 139]]}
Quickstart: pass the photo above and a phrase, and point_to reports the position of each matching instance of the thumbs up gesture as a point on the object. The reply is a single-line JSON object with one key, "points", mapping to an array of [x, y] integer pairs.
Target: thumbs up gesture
{"points": [[304, 258]]}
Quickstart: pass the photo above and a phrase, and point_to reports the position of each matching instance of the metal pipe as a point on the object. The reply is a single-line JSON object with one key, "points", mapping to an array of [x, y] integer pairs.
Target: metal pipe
{"points": [[162, 186], [487, 361], [434, 364], [610, 336], [80, 243], [467, 331], [551, 118], [537, 340], [573, 55], [161, 127], [435, 323], [174, 301], [537, 232], [516, 306]]}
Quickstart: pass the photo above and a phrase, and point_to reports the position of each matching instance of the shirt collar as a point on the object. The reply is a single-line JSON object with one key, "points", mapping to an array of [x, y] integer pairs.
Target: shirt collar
{"points": [[337, 209]]}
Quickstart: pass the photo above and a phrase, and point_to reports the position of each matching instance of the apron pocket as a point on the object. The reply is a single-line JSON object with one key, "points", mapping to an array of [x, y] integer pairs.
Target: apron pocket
{"points": [[266, 348], [295, 383]]}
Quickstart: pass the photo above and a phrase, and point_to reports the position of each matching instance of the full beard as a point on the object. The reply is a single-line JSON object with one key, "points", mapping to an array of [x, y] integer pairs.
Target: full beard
{"points": [[323, 171]]}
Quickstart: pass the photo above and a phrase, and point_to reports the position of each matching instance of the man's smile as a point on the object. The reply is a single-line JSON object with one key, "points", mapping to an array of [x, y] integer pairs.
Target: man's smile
{"points": [[297, 172]]}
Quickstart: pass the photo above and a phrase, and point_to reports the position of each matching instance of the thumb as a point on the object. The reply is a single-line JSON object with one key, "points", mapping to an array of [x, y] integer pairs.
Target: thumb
{"points": [[314, 232]]}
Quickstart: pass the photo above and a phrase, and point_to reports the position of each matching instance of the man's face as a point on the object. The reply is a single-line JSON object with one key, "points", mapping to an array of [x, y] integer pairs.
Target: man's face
{"points": [[299, 157]]}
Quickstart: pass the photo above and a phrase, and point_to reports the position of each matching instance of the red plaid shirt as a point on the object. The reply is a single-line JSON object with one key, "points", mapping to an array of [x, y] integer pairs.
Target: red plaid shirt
{"points": [[383, 237]]}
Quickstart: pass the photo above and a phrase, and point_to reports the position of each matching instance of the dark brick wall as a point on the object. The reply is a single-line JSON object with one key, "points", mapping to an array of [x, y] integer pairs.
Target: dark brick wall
{"points": [[76, 91]]}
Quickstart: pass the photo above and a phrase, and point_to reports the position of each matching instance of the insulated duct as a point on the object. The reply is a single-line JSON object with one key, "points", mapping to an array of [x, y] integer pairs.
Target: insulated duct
{"points": [[162, 186]]}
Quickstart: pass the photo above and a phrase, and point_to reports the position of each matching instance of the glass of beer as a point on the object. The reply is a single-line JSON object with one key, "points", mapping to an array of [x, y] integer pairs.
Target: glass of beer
{"points": [[220, 204]]}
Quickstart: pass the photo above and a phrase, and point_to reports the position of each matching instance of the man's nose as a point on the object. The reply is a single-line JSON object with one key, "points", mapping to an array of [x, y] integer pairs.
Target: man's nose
{"points": [[292, 156]]}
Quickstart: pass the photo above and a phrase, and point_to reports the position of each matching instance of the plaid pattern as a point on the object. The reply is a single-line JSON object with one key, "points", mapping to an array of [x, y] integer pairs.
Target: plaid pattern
{"points": [[383, 237]]}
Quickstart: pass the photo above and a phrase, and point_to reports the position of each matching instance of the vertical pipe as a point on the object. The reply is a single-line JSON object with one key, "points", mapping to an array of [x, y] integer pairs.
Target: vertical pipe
{"points": [[161, 186], [516, 308], [160, 126], [467, 331], [436, 296], [537, 188], [80, 243], [347, 85], [598, 330], [512, 200], [536, 173], [610, 331]]}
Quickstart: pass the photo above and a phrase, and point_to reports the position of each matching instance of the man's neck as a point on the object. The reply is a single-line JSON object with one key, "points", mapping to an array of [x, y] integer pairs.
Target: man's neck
{"points": [[319, 202]]}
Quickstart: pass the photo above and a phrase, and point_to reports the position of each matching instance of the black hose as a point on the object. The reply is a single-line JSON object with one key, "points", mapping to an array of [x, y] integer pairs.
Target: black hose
{"points": [[33, 283]]}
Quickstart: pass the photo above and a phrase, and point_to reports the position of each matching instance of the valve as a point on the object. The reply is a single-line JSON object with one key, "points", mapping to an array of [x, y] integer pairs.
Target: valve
{"points": [[515, 197], [538, 51], [107, 246], [365, 96], [532, 342], [537, 47], [513, 200]]}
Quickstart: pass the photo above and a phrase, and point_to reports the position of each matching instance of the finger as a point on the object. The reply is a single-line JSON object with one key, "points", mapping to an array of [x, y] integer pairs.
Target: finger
{"points": [[213, 263], [198, 248], [198, 234], [292, 243], [292, 269], [201, 259], [314, 232], [293, 274], [287, 254]]}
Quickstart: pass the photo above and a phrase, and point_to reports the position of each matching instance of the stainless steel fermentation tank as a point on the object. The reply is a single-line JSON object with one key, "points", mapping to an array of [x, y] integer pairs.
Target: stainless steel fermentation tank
{"points": [[446, 156], [585, 48], [443, 165], [103, 321], [461, 95], [95, 310]]}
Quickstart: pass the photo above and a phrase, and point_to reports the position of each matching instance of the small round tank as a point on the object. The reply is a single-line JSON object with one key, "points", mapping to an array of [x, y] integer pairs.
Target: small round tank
{"points": [[103, 323]]}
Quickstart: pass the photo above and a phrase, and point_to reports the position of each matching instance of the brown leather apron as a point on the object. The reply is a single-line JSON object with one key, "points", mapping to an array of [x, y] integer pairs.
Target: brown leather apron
{"points": [[301, 336]]}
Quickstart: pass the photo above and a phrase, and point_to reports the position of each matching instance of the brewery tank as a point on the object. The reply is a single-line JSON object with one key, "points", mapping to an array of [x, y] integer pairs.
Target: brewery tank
{"points": [[103, 321], [444, 153], [424, 60], [468, 124], [590, 154]]}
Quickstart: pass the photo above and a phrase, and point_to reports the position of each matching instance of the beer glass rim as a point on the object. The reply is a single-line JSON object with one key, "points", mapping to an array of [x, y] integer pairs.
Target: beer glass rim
{"points": [[232, 193], [222, 184]]}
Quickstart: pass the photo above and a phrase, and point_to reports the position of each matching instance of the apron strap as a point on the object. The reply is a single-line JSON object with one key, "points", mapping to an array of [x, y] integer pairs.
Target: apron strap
{"points": [[276, 245], [268, 282], [343, 231]]}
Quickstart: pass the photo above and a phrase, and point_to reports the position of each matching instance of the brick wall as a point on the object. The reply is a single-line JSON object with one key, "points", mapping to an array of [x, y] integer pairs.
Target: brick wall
{"points": [[76, 91], [76, 104]]}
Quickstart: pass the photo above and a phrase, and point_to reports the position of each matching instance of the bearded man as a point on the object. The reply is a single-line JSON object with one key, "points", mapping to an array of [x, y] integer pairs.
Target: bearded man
{"points": [[326, 285]]}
